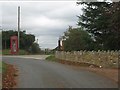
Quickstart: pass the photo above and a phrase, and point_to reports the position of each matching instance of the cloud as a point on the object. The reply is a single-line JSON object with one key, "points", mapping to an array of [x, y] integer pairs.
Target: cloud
{"points": [[48, 41], [46, 20]]}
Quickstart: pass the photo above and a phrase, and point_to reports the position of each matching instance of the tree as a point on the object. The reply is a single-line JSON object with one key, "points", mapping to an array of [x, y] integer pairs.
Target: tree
{"points": [[26, 40], [114, 26], [35, 49], [98, 19], [6, 38], [76, 39]]}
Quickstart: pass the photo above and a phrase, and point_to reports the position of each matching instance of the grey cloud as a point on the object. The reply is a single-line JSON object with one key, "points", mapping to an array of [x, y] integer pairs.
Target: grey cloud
{"points": [[48, 41], [46, 20]]}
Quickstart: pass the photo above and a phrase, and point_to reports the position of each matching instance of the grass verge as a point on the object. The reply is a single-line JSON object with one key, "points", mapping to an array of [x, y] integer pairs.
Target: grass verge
{"points": [[51, 58], [2, 67]]}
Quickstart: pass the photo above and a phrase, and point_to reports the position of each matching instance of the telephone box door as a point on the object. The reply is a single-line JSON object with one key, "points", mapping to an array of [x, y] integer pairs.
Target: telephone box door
{"points": [[14, 44]]}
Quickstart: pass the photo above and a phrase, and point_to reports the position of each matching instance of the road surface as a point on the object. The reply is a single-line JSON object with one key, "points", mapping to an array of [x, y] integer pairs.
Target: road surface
{"points": [[34, 73]]}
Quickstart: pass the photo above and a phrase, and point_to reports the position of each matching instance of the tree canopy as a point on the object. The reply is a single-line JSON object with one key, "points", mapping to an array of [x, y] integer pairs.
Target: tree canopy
{"points": [[26, 41], [76, 39], [99, 28], [102, 20]]}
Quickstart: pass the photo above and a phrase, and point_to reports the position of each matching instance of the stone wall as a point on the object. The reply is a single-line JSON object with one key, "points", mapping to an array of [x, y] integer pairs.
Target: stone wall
{"points": [[99, 58]]}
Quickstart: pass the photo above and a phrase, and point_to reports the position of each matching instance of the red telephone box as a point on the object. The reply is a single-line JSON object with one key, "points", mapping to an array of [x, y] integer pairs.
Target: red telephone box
{"points": [[14, 44]]}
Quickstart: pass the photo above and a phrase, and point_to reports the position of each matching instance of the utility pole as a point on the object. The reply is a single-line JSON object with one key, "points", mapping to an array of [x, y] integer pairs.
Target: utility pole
{"points": [[18, 27]]}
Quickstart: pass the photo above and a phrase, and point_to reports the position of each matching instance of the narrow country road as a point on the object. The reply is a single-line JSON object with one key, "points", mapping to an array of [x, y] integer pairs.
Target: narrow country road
{"points": [[34, 73]]}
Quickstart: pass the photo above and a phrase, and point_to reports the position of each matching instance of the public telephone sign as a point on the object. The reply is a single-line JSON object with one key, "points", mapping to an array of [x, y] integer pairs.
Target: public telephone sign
{"points": [[14, 44]]}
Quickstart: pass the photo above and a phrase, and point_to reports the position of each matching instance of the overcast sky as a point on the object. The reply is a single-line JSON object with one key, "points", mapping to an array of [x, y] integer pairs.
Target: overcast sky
{"points": [[46, 20]]}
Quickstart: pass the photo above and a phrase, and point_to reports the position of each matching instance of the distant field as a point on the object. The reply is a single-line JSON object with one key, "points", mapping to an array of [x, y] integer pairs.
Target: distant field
{"points": [[7, 52]]}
